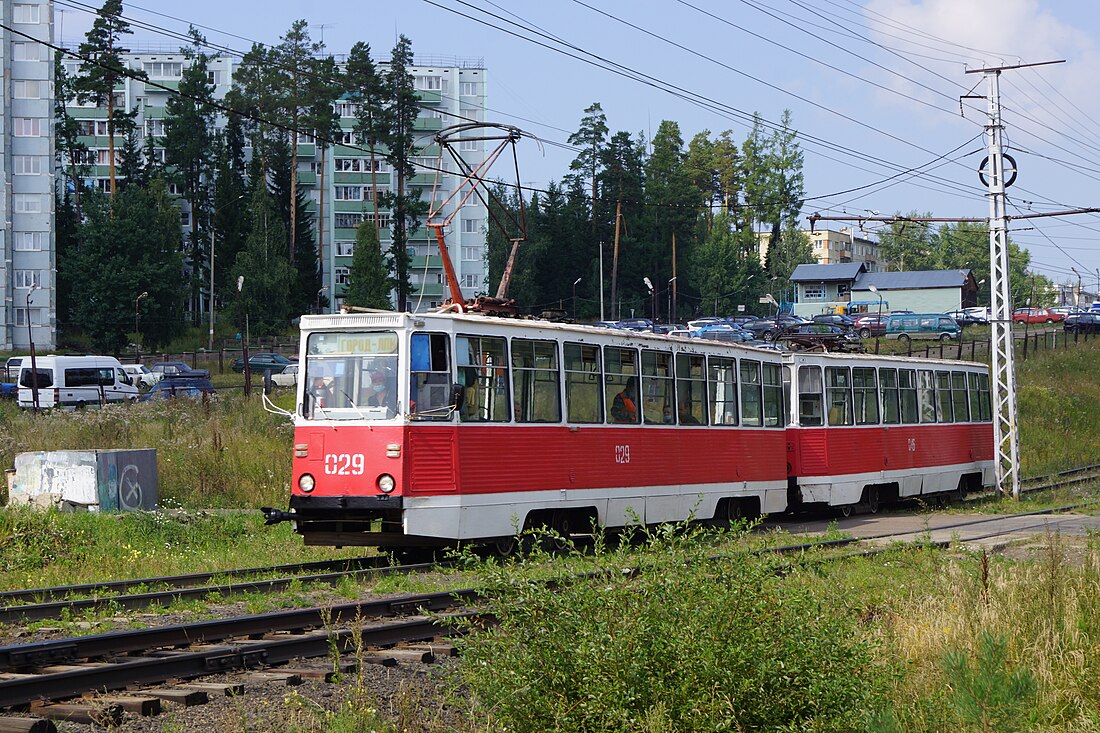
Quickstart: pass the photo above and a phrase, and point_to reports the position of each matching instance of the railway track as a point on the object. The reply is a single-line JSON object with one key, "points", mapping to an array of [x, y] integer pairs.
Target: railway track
{"points": [[61, 669], [184, 587]]}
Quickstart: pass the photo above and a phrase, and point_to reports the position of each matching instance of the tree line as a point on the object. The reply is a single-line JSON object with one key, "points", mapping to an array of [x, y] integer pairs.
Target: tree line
{"points": [[689, 219], [233, 162]]}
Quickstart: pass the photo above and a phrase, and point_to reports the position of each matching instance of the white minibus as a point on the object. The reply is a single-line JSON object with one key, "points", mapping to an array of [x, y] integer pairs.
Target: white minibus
{"points": [[74, 381]]}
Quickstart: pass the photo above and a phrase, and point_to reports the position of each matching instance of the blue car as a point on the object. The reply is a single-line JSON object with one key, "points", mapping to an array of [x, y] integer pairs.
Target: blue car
{"points": [[191, 387]]}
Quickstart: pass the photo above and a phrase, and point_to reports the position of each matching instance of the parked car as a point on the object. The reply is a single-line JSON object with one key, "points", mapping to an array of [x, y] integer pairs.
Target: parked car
{"points": [[965, 319], [740, 319], [704, 321], [663, 328], [824, 335], [835, 319], [1082, 323], [12, 367], [871, 325], [723, 332], [262, 362], [190, 387], [909, 326], [983, 313], [174, 369], [767, 328], [142, 375], [635, 324], [1036, 315], [287, 377]]}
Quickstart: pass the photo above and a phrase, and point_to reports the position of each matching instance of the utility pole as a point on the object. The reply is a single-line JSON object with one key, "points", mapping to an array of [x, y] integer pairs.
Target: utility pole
{"points": [[615, 255], [1006, 436], [672, 282]]}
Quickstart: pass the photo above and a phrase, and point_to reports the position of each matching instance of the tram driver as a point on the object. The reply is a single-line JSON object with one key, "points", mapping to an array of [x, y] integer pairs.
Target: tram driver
{"points": [[381, 392]]}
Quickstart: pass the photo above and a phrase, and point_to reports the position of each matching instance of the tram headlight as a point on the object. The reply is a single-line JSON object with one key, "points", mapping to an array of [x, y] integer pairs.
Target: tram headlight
{"points": [[386, 483], [306, 482]]}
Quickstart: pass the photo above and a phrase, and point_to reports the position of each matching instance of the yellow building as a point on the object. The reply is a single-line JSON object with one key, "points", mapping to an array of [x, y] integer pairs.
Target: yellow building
{"points": [[833, 248]]}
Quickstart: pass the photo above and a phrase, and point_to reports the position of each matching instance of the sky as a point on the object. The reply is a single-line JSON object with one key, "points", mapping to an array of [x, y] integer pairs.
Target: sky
{"points": [[873, 87]]}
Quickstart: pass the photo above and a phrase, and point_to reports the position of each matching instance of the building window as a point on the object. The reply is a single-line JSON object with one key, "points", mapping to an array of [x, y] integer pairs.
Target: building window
{"points": [[471, 254], [346, 109], [26, 52], [26, 165], [29, 203], [348, 221], [345, 249], [30, 241], [471, 281], [185, 218], [469, 88], [431, 114], [428, 83], [383, 221], [342, 275], [814, 292], [164, 69], [214, 77], [28, 278], [24, 89], [102, 184], [471, 226], [842, 290], [348, 165], [470, 113], [174, 189], [27, 126], [348, 193], [154, 128], [22, 314], [469, 145], [23, 13], [346, 137]]}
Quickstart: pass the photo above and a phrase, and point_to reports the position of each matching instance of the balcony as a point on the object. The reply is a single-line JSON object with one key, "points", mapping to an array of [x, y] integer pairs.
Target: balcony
{"points": [[307, 178], [428, 123], [428, 290], [430, 261], [429, 97], [307, 150]]}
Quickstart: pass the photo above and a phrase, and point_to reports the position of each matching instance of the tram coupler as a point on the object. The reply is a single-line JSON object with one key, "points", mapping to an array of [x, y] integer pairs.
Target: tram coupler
{"points": [[274, 516]]}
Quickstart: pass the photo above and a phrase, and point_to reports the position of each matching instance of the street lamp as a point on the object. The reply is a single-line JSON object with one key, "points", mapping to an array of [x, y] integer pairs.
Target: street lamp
{"points": [[575, 298], [670, 281], [137, 312], [30, 340], [247, 368], [874, 290], [210, 344], [319, 294], [653, 297]]}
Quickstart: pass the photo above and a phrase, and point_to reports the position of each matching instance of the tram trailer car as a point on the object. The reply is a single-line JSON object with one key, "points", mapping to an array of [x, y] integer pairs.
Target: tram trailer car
{"points": [[427, 430], [866, 430]]}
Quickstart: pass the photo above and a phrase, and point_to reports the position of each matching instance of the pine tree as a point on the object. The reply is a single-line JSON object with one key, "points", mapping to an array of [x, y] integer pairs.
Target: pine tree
{"points": [[590, 137], [131, 162], [230, 205], [324, 87], [189, 150], [368, 89], [104, 66], [295, 56], [406, 204], [369, 284], [72, 154]]}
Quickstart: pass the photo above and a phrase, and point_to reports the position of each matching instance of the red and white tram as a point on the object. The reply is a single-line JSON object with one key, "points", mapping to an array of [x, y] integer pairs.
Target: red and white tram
{"points": [[422, 430], [492, 424], [870, 429]]}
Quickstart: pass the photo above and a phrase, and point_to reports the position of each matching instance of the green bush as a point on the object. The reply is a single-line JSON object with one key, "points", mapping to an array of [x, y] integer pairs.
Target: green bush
{"points": [[683, 643]]}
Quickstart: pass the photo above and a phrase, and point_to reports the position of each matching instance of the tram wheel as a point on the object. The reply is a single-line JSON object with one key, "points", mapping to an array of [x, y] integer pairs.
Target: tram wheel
{"points": [[507, 546], [871, 500], [563, 532], [846, 510]]}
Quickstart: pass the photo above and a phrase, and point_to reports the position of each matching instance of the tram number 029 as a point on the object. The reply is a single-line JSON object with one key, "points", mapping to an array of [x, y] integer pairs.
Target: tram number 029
{"points": [[622, 454], [344, 464]]}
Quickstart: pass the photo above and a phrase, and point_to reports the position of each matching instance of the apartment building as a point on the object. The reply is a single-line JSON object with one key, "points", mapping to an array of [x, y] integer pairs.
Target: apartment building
{"points": [[27, 276], [450, 89], [832, 248]]}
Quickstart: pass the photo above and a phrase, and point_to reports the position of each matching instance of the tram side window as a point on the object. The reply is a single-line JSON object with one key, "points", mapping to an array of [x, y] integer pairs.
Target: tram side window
{"points": [[773, 396], [958, 396], [838, 390], [865, 393], [891, 405], [810, 412], [943, 397], [483, 371], [535, 389], [983, 392], [907, 386], [430, 377], [751, 397], [583, 395], [658, 399], [691, 389], [926, 392], [621, 385], [975, 397], [723, 390]]}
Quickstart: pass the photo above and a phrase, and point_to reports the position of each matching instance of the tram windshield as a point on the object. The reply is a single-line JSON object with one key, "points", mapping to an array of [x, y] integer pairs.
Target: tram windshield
{"points": [[351, 375]]}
